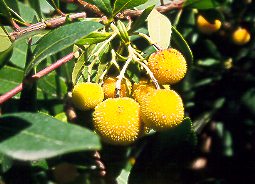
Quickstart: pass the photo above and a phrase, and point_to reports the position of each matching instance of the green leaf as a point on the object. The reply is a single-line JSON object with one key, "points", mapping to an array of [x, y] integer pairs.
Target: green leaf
{"points": [[103, 5], [4, 40], [160, 29], [77, 70], [19, 53], [54, 3], [120, 5], [35, 4], [200, 4], [61, 38], [27, 13], [4, 10], [36, 136], [141, 19], [94, 37], [5, 56], [147, 4], [180, 43], [248, 100], [123, 177], [13, 4]]}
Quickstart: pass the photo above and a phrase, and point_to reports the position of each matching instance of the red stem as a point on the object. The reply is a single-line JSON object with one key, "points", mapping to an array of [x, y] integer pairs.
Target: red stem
{"points": [[37, 76]]}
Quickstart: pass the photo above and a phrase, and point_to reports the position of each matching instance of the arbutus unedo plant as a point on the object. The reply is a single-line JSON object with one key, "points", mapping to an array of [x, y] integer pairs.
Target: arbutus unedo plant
{"points": [[106, 88]]}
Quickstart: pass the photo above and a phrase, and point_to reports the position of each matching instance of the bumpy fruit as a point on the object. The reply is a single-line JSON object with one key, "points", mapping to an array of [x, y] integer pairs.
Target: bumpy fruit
{"points": [[241, 36], [117, 120], [86, 96], [162, 109], [168, 66], [109, 88], [141, 89], [206, 27]]}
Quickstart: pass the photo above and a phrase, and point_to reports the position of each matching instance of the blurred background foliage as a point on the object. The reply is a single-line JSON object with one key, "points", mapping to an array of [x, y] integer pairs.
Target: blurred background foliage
{"points": [[218, 92]]}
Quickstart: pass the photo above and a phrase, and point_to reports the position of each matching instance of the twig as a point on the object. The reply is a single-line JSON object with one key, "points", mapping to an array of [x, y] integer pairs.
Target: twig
{"points": [[51, 23], [37, 76], [162, 9]]}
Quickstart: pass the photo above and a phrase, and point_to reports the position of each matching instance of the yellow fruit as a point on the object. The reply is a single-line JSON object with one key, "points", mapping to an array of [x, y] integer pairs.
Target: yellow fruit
{"points": [[109, 88], [206, 27], [162, 109], [141, 89], [168, 66], [65, 173], [117, 120], [86, 96], [241, 36]]}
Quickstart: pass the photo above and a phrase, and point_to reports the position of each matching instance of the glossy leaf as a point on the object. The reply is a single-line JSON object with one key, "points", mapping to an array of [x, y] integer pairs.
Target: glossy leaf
{"points": [[141, 19], [120, 5], [123, 177], [160, 29], [13, 4], [60, 39], [35, 136], [198, 4], [147, 4], [94, 37], [103, 5], [180, 43]]}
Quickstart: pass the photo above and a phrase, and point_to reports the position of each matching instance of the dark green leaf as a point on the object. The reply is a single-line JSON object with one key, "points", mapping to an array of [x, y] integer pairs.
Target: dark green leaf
{"points": [[198, 4], [103, 5], [248, 100], [141, 19], [60, 39], [35, 136], [94, 37], [13, 4], [120, 5], [180, 43], [5, 56], [4, 10]]}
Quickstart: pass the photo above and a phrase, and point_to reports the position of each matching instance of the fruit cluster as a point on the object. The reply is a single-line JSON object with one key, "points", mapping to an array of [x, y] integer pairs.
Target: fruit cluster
{"points": [[122, 120]]}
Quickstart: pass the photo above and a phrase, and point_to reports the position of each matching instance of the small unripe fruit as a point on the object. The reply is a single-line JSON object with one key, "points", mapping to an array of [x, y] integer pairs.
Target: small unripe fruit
{"points": [[117, 120], [110, 85], [206, 27], [241, 36], [168, 66], [162, 109], [86, 96]]}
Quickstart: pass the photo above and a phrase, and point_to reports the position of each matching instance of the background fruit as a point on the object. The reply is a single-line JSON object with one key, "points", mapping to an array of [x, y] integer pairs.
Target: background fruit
{"points": [[168, 66], [241, 36], [206, 27], [86, 96], [110, 85], [117, 120], [162, 109]]}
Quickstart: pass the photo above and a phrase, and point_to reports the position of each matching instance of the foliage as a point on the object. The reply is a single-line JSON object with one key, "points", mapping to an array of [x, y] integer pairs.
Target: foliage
{"points": [[42, 131]]}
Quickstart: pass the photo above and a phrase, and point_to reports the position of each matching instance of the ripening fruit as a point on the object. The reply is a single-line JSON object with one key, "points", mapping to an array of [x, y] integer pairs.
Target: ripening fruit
{"points": [[168, 66], [110, 85], [162, 109], [86, 96], [117, 120], [241, 36], [206, 27], [141, 89]]}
